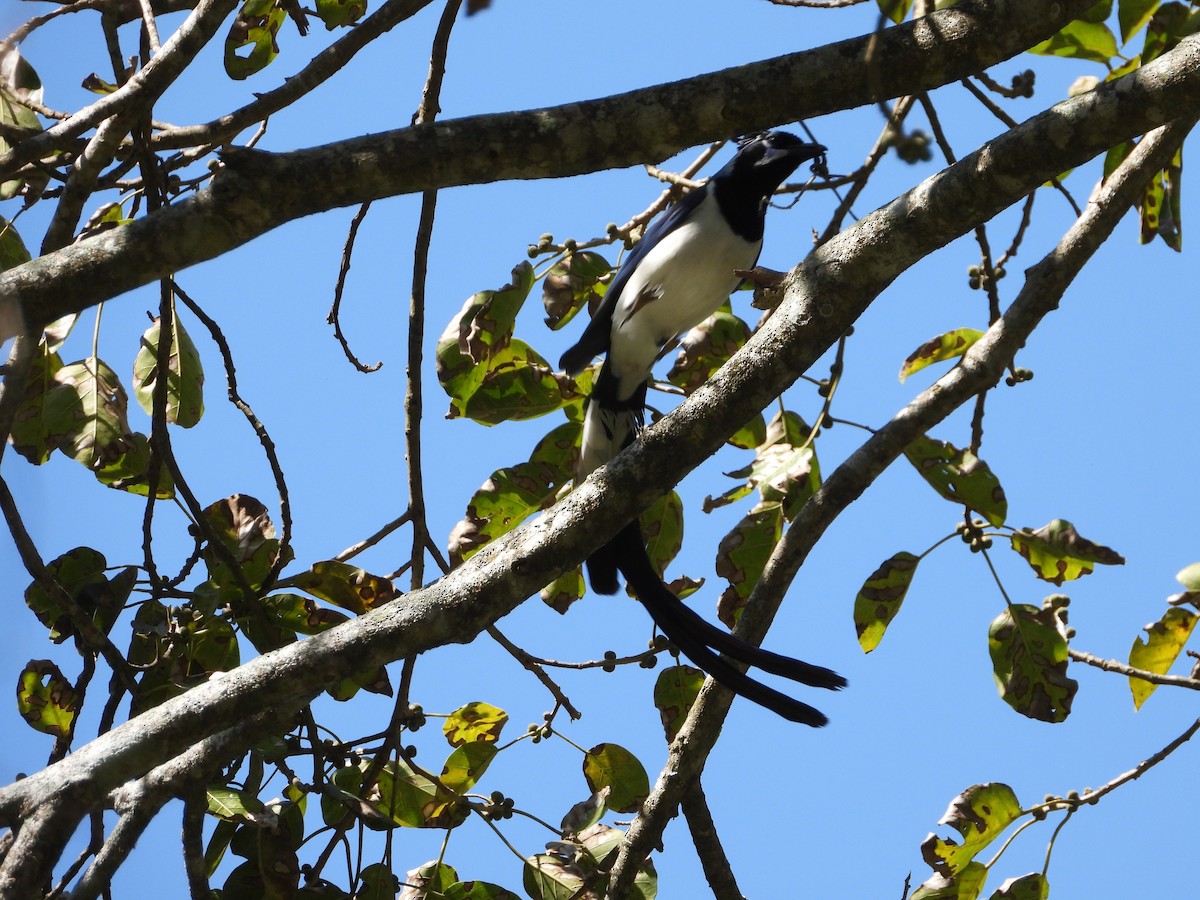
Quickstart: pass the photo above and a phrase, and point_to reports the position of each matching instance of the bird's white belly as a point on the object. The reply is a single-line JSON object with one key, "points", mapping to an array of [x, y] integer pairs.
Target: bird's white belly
{"points": [[676, 286]]}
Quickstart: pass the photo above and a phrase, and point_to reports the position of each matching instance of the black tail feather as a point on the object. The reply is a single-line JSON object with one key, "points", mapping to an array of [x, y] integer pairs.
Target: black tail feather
{"points": [[701, 641]]}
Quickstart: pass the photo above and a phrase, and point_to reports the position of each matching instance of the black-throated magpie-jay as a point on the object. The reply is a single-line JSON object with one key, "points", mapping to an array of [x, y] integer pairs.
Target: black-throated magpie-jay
{"points": [[676, 276]]}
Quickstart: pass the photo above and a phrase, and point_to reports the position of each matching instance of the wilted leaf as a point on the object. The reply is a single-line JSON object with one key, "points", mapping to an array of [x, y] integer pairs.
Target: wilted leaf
{"points": [[612, 766], [586, 813], [185, 375], [45, 699], [477, 722], [784, 470], [880, 597], [87, 412], [1026, 887], [675, 691], [1028, 647], [966, 884], [1164, 641], [950, 345], [979, 814], [1058, 553], [256, 27], [960, 476]]}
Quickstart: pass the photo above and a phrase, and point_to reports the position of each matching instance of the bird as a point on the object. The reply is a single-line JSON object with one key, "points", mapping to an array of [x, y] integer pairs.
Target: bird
{"points": [[679, 273]]}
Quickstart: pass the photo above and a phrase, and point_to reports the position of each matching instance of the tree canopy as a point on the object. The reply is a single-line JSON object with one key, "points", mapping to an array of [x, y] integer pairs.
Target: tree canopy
{"points": [[252, 616]]}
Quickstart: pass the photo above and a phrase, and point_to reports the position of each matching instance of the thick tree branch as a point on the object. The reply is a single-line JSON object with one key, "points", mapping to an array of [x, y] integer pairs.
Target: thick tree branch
{"points": [[260, 191], [826, 294], [982, 366]]}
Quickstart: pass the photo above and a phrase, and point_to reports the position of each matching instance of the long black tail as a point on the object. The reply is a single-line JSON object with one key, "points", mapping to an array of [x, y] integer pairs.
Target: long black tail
{"points": [[702, 642]]}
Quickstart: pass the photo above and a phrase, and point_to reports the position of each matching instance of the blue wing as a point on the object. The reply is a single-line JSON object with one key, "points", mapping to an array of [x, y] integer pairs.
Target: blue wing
{"points": [[596, 337]]}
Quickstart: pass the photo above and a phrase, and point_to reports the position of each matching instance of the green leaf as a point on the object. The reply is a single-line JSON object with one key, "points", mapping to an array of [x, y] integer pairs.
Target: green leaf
{"points": [[344, 585], [413, 801], [130, 472], [743, 553], [950, 345], [81, 573], [1081, 40], [706, 348], [966, 884], [256, 26], [547, 877], [45, 699], [751, 434], [572, 283], [1164, 641], [347, 784], [1058, 553], [185, 375], [662, 527], [477, 722], [879, 599], [1133, 15], [1033, 886], [896, 10], [12, 248], [959, 476], [612, 766], [675, 691], [231, 805], [478, 890], [979, 814], [339, 14], [430, 880], [376, 880], [465, 766], [1028, 647]]}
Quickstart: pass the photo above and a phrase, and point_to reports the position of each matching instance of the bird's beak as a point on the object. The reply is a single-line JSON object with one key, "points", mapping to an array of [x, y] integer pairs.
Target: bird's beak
{"points": [[797, 154]]}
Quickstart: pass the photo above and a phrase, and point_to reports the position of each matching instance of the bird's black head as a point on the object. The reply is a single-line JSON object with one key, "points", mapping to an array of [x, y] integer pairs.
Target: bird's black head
{"points": [[763, 162]]}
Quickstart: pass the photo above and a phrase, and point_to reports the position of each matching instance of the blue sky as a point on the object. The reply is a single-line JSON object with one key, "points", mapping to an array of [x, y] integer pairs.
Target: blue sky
{"points": [[1102, 436]]}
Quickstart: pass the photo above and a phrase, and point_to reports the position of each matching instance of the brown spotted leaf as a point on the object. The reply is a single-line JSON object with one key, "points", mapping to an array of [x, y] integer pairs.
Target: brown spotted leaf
{"points": [[960, 476], [250, 45], [505, 500], [950, 345], [980, 814], [706, 348], [966, 884], [465, 766], [45, 699], [243, 525], [662, 528], [1164, 641], [91, 405], [185, 375], [82, 574], [577, 280], [345, 585], [301, 614], [879, 600], [675, 691], [1058, 553], [1028, 646], [742, 555], [477, 722], [612, 766]]}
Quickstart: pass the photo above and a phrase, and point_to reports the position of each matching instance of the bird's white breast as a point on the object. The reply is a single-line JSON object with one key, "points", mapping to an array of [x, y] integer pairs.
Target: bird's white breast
{"points": [[677, 285]]}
